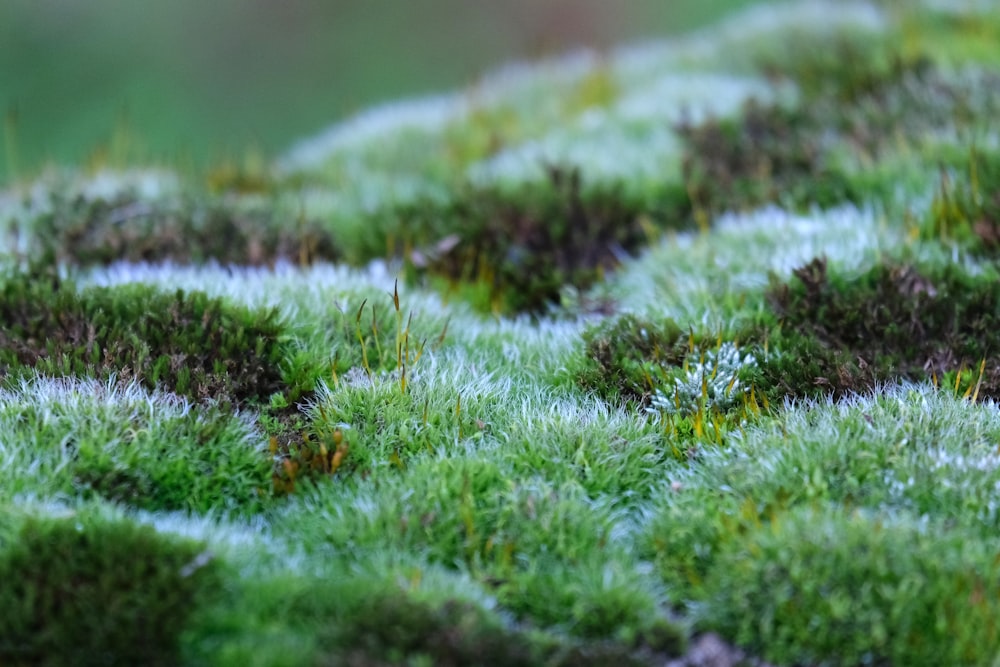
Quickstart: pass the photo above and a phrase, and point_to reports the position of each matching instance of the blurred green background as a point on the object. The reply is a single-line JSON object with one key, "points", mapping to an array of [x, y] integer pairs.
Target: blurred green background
{"points": [[192, 83]]}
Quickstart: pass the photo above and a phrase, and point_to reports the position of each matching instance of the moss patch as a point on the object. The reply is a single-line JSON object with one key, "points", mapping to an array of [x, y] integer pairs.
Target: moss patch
{"points": [[847, 115], [188, 343], [390, 630], [840, 335], [621, 354], [827, 587], [84, 590], [126, 227], [769, 154], [84, 439], [523, 245], [966, 207]]}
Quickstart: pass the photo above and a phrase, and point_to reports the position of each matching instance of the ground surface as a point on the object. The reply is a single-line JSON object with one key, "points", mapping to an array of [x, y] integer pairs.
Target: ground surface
{"points": [[630, 359]]}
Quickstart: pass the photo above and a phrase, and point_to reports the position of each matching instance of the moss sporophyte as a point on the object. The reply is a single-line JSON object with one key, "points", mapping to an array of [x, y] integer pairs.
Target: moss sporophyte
{"points": [[602, 355]]}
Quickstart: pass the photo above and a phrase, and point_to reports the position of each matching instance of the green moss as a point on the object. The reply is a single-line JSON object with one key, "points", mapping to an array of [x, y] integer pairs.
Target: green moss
{"points": [[956, 38], [841, 66], [841, 335], [860, 99], [913, 108], [84, 590], [396, 629], [699, 386], [623, 353], [188, 343], [379, 420], [142, 452], [828, 587], [768, 154], [544, 551], [692, 524], [966, 207], [526, 243], [483, 133], [410, 617], [183, 230]]}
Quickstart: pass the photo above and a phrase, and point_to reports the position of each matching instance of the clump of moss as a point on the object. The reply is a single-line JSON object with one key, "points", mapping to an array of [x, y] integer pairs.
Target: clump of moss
{"points": [[525, 244], [876, 93], [397, 629], [622, 353], [966, 210], [698, 386], [840, 335], [917, 102], [88, 231], [835, 588], [186, 342], [841, 67], [767, 154], [860, 98], [199, 462], [85, 590], [378, 348]]}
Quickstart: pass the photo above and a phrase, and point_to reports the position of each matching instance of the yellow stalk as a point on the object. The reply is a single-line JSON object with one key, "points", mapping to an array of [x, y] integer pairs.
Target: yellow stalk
{"points": [[979, 382]]}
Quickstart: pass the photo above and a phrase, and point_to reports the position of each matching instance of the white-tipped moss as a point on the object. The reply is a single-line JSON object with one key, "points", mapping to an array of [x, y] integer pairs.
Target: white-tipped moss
{"points": [[458, 462]]}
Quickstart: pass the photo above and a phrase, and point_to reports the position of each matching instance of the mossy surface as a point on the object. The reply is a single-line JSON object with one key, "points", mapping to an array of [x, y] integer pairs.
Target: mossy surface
{"points": [[146, 450], [769, 154], [842, 335], [188, 343], [822, 586], [87, 590], [180, 229], [602, 354], [523, 245]]}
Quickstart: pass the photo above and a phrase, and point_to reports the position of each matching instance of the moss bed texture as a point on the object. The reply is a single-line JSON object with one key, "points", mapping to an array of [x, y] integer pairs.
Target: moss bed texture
{"points": [[581, 365]]}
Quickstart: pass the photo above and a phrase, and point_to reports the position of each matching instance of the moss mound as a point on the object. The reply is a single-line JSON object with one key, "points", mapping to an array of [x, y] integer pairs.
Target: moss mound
{"points": [[523, 245], [621, 355], [768, 154], [182, 230], [895, 321], [84, 590], [832, 588], [189, 343]]}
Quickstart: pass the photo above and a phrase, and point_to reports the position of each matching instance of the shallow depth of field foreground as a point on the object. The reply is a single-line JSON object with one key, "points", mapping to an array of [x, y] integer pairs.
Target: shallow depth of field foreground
{"points": [[612, 359]]}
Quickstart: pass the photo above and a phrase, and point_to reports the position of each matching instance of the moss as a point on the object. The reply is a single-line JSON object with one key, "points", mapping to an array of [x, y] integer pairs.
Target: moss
{"points": [[392, 629], [957, 38], [198, 463], [685, 534], [376, 351], [768, 154], [188, 343], [877, 93], [84, 590], [966, 208], [841, 335], [622, 353], [860, 99], [828, 587], [525, 244], [842, 66], [195, 229], [919, 103]]}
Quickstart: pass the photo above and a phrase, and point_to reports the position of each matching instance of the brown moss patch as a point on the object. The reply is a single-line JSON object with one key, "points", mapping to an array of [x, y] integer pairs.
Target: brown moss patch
{"points": [[840, 335], [186, 342], [86, 231], [524, 245]]}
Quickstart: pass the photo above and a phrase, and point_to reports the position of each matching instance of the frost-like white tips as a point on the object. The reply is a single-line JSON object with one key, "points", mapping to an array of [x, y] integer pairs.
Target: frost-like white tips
{"points": [[708, 382]]}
